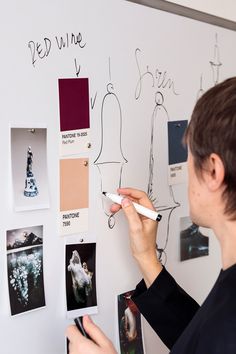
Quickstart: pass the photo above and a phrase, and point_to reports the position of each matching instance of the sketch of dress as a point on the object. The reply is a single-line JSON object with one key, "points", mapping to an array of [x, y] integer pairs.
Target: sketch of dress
{"points": [[110, 160], [216, 63], [159, 191], [201, 90], [162, 199]]}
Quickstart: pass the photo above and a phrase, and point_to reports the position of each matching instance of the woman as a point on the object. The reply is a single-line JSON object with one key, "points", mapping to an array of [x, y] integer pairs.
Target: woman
{"points": [[183, 326]]}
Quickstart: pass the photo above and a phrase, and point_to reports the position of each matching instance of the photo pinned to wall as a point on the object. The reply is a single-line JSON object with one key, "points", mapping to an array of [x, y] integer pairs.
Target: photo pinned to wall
{"points": [[80, 270], [177, 152], [129, 324], [74, 116], [74, 195], [25, 269], [29, 168], [194, 240]]}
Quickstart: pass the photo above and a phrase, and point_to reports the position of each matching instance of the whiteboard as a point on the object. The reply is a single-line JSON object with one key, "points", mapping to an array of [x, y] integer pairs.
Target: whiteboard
{"points": [[144, 53]]}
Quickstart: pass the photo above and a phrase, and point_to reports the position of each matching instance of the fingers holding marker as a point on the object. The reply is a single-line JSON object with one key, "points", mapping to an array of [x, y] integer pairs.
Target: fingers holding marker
{"points": [[131, 214], [115, 208], [136, 196], [132, 194], [124, 203], [95, 332], [75, 339], [147, 213], [72, 333]]}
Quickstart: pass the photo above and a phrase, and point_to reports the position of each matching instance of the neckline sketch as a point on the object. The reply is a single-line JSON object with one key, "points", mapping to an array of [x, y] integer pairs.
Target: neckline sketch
{"points": [[163, 199], [110, 160]]}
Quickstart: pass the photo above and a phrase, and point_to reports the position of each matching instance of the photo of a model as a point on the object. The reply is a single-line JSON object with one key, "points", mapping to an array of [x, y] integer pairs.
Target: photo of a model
{"points": [[129, 319], [80, 276]]}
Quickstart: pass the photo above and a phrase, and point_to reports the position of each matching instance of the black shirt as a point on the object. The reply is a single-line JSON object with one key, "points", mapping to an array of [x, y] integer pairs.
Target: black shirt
{"points": [[182, 325]]}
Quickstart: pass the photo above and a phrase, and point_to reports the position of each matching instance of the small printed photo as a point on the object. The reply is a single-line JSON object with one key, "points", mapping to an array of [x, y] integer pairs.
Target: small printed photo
{"points": [[129, 322], [81, 295], [24, 237], [29, 168], [25, 269], [193, 241]]}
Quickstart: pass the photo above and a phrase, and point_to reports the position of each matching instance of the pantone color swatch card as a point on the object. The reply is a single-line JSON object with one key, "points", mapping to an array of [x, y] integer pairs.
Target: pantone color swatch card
{"points": [[74, 116], [177, 169], [74, 196]]}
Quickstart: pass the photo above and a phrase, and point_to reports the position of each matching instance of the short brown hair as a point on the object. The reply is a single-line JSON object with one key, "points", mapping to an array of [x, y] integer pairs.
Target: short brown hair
{"points": [[212, 129]]}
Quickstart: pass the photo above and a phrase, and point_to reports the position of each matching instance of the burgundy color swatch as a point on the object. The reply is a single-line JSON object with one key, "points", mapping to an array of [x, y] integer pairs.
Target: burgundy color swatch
{"points": [[74, 104]]}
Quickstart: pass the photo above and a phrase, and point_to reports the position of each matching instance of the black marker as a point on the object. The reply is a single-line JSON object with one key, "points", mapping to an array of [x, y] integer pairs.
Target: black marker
{"points": [[79, 325]]}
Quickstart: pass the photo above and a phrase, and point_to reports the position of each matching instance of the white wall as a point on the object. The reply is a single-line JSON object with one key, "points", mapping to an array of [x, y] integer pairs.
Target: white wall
{"points": [[30, 96], [225, 9]]}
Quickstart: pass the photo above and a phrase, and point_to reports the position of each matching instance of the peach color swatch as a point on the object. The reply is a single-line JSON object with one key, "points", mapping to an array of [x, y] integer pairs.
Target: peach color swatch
{"points": [[73, 184]]}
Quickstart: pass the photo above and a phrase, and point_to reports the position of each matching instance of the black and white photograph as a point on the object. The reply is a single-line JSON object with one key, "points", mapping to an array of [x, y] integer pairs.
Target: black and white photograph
{"points": [[81, 295], [29, 168], [25, 269], [193, 240], [129, 323]]}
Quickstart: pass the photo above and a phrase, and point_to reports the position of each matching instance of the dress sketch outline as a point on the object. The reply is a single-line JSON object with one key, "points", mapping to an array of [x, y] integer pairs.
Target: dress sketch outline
{"points": [[216, 62], [201, 90], [159, 81], [110, 156], [168, 204]]}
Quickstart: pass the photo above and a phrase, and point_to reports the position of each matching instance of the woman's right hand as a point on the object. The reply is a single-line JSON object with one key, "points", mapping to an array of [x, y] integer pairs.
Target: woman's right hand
{"points": [[142, 232]]}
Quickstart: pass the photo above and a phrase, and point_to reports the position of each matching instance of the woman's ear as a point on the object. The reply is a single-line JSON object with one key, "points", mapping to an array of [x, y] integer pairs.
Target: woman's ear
{"points": [[214, 173]]}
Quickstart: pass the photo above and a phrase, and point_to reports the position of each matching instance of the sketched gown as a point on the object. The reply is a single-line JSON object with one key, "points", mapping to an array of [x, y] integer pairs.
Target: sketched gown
{"points": [[159, 191], [110, 160]]}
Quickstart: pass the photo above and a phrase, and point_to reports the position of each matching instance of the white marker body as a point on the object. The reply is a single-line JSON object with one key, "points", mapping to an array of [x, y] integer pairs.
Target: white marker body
{"points": [[151, 214]]}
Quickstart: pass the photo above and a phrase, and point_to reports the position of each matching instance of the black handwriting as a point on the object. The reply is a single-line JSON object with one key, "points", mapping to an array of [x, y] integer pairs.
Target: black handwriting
{"points": [[39, 50], [158, 78]]}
